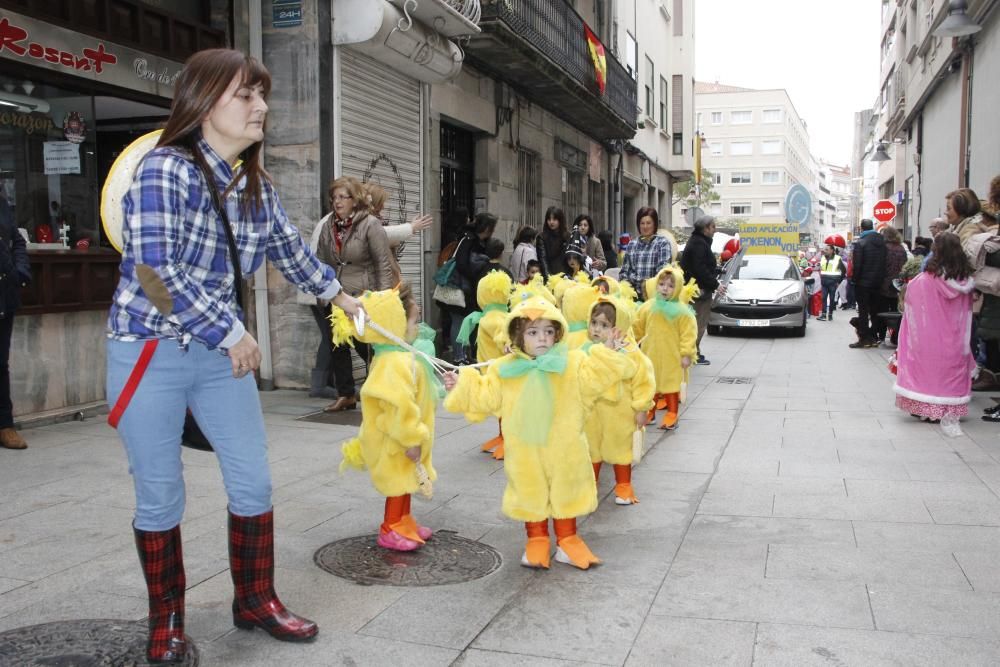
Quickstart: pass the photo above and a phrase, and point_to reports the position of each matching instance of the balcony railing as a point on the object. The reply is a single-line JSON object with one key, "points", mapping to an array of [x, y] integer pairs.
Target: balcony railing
{"points": [[554, 28]]}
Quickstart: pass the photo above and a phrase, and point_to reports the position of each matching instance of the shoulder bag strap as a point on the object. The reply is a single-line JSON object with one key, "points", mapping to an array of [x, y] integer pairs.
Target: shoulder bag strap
{"points": [[220, 209]]}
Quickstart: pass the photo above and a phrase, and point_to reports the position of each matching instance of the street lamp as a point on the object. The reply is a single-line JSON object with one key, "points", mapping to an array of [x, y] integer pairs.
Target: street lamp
{"points": [[958, 23], [880, 154]]}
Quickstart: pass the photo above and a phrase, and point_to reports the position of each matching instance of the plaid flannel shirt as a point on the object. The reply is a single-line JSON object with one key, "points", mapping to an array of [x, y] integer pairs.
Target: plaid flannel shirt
{"points": [[643, 260], [171, 226]]}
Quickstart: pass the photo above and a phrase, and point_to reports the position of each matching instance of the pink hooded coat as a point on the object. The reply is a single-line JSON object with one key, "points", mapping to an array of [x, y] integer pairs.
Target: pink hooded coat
{"points": [[934, 356]]}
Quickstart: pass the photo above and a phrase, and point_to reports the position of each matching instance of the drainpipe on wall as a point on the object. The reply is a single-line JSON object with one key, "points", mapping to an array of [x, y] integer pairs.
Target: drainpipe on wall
{"points": [[266, 372], [965, 139]]}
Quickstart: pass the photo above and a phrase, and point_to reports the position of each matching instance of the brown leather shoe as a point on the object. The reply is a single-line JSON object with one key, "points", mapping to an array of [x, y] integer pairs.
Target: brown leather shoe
{"points": [[11, 439], [342, 403]]}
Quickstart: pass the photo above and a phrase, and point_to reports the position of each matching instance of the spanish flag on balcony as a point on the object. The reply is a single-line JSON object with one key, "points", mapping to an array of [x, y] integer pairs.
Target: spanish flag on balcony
{"points": [[597, 55]]}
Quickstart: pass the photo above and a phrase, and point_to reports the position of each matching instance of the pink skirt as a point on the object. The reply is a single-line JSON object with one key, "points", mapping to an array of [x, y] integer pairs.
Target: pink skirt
{"points": [[931, 410]]}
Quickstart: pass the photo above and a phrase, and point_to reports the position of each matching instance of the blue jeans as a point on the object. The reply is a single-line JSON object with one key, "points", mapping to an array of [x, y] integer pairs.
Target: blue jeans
{"points": [[227, 410], [830, 294]]}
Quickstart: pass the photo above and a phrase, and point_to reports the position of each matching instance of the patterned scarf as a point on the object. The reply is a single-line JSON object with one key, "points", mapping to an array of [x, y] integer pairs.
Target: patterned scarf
{"points": [[340, 229]]}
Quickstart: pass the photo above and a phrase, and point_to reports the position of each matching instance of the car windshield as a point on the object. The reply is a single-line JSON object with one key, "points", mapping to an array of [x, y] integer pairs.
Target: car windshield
{"points": [[766, 267]]}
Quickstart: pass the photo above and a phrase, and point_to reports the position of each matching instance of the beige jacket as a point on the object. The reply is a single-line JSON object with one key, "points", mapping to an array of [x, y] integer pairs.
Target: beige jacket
{"points": [[364, 262], [976, 224]]}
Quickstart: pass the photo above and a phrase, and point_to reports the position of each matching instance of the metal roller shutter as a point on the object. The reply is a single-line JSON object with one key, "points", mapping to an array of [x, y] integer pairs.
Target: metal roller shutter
{"points": [[380, 141], [380, 131]]}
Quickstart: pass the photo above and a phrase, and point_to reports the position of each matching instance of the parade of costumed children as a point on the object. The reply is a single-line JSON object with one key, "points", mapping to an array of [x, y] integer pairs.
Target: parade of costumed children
{"points": [[547, 461], [398, 402], [621, 409], [667, 331], [493, 294]]}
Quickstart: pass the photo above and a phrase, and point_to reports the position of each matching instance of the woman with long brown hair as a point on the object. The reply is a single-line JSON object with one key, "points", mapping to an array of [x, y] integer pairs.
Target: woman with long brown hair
{"points": [[193, 224]]}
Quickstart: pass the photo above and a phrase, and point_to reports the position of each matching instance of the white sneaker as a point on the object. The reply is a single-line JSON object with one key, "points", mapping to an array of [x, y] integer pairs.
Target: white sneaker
{"points": [[622, 501]]}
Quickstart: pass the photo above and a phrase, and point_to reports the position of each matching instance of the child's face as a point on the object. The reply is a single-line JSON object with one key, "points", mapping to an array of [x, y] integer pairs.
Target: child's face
{"points": [[600, 328], [665, 286], [533, 271], [573, 263], [603, 287], [413, 324], [539, 337]]}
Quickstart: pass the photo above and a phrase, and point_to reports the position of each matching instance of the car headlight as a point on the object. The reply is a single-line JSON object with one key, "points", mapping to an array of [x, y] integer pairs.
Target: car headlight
{"points": [[794, 297], [725, 298]]}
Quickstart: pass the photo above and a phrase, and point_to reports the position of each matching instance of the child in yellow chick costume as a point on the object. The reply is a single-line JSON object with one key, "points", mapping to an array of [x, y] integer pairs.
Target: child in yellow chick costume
{"points": [[493, 294], [547, 460], [621, 409], [398, 402], [668, 333], [576, 303]]}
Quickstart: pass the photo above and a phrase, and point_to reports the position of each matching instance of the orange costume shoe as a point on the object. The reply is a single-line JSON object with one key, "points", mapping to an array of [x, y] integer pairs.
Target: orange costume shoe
{"points": [[498, 452], [624, 494], [571, 549], [670, 419], [411, 524], [492, 444], [536, 553]]}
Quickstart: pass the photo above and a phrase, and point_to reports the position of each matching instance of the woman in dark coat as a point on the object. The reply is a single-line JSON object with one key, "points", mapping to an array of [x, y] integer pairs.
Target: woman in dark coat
{"points": [[554, 236], [470, 260]]}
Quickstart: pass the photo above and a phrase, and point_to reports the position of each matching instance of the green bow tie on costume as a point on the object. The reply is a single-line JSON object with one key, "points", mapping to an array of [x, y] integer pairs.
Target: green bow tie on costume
{"points": [[669, 308], [426, 346], [471, 321], [532, 416]]}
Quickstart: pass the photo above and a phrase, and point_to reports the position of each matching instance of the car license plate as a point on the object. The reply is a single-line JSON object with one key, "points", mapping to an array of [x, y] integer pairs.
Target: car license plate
{"points": [[753, 323]]}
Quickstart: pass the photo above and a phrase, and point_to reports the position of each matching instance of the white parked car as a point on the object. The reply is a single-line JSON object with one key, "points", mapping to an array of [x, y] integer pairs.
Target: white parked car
{"points": [[762, 291]]}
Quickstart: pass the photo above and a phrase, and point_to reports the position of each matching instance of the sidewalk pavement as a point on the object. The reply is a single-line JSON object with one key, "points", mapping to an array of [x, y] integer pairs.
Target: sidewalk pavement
{"points": [[795, 518]]}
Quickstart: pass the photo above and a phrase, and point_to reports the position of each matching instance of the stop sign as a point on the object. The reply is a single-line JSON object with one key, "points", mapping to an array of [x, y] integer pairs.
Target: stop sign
{"points": [[885, 211]]}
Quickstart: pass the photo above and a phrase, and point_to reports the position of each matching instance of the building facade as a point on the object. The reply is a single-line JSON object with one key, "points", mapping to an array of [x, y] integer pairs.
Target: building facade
{"points": [[655, 41], [756, 146], [936, 108]]}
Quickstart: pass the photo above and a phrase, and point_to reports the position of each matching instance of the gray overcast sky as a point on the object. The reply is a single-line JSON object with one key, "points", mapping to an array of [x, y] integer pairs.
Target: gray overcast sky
{"points": [[825, 54]]}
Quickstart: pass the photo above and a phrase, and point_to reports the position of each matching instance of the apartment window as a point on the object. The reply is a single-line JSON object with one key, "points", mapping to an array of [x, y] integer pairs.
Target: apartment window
{"points": [[771, 147], [770, 178], [739, 178], [741, 148], [650, 91], [663, 104], [772, 115], [678, 18], [740, 208], [677, 114], [716, 118], [741, 117], [597, 211], [715, 148], [715, 208], [717, 178], [631, 56], [528, 187], [572, 197], [770, 208]]}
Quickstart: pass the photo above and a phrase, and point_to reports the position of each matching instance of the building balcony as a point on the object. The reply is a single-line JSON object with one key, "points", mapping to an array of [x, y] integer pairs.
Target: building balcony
{"points": [[539, 48]]}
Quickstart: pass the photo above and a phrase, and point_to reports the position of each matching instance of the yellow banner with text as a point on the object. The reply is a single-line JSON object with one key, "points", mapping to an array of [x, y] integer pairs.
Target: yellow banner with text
{"points": [[769, 238]]}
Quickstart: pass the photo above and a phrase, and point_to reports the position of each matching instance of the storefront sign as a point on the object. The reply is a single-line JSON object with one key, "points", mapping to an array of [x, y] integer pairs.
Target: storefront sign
{"points": [[769, 238], [286, 14], [61, 157], [28, 122], [32, 42]]}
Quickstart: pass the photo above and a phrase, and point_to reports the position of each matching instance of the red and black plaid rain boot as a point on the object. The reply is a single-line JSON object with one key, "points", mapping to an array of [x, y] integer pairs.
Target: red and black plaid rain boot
{"points": [[163, 566], [251, 561]]}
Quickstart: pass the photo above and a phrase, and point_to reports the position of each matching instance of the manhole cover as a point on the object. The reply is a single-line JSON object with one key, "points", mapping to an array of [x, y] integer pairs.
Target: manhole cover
{"points": [[445, 559], [342, 418], [82, 643], [724, 379]]}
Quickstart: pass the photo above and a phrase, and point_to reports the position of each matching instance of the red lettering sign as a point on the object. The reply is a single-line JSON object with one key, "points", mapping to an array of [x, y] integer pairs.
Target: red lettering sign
{"points": [[12, 38]]}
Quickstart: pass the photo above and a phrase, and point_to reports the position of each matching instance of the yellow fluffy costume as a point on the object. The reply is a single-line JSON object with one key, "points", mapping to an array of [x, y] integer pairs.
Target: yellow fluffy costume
{"points": [[547, 460], [668, 331], [576, 303], [611, 422], [493, 294], [397, 404]]}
